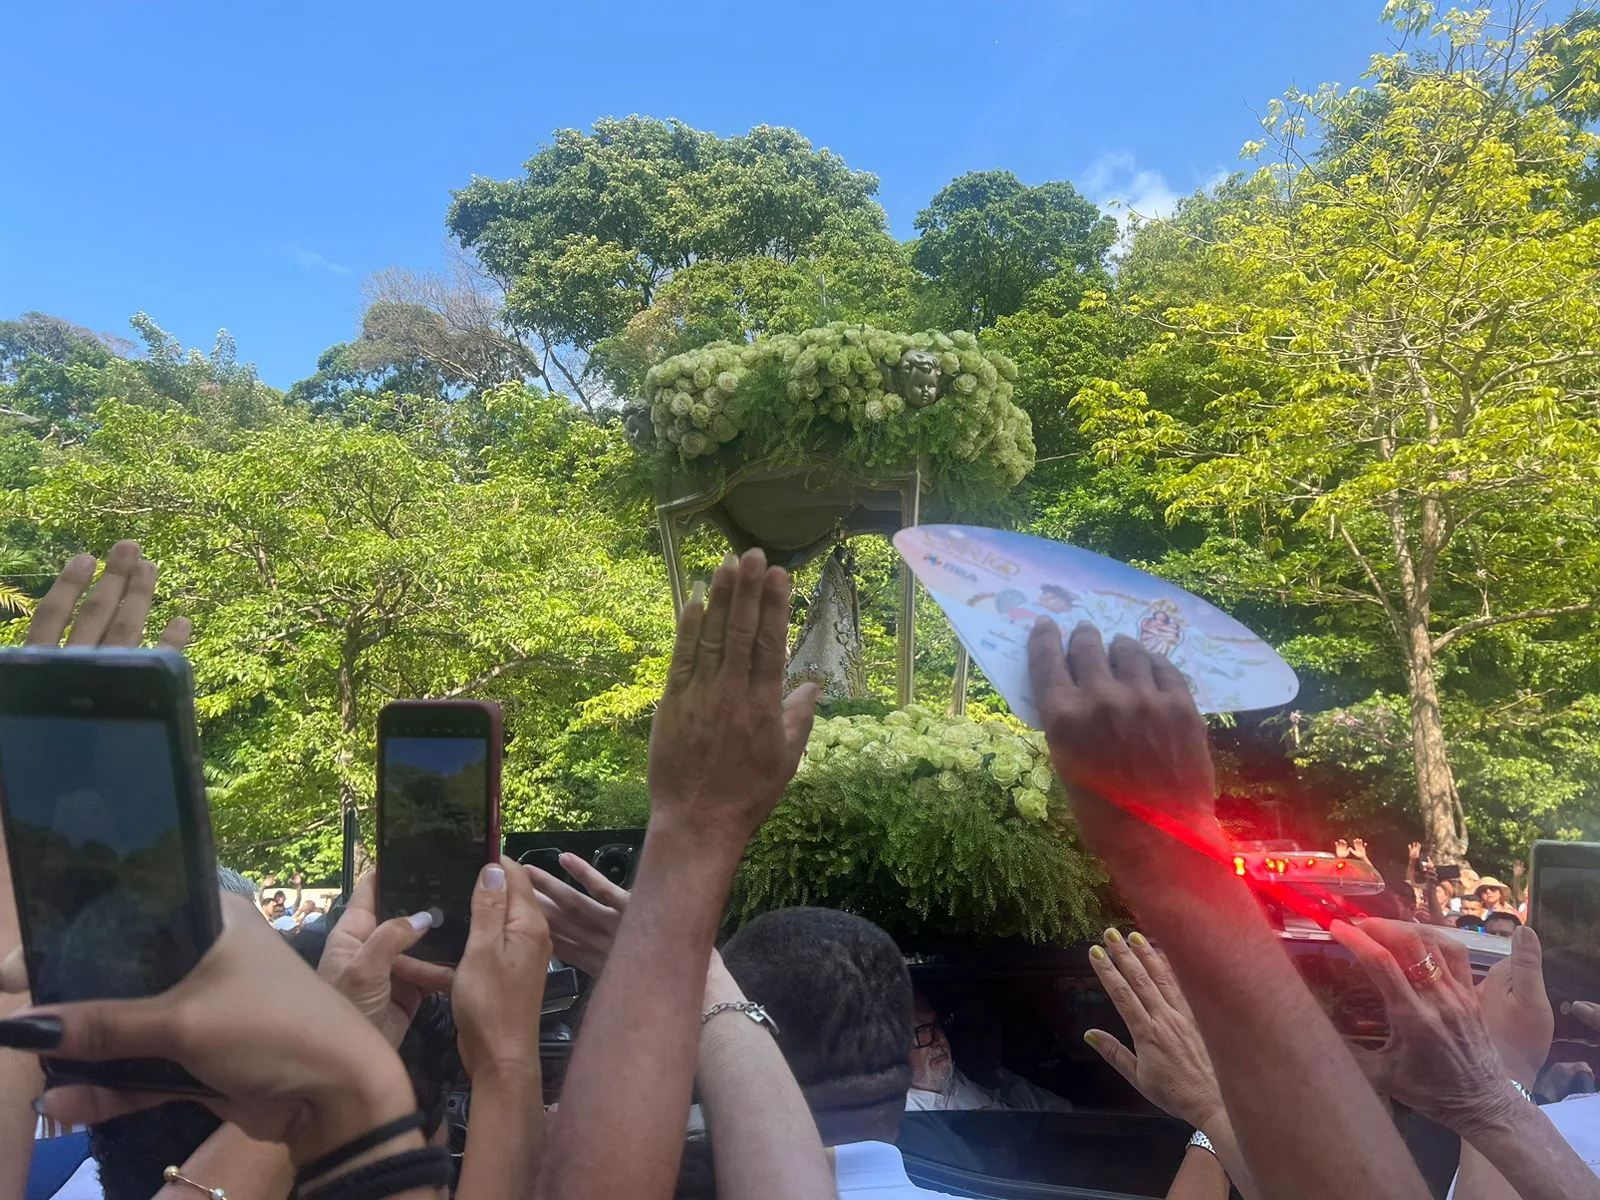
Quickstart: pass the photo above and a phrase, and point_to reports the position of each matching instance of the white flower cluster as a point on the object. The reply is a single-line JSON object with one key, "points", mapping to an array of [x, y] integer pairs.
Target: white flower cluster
{"points": [[851, 377], [959, 753]]}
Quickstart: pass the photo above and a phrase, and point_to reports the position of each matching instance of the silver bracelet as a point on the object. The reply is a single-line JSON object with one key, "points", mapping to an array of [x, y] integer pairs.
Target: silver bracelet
{"points": [[1199, 1139], [749, 1008], [1525, 1093]]}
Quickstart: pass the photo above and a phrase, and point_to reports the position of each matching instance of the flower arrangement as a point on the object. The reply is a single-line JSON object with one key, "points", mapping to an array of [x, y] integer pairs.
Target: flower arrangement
{"points": [[928, 824], [881, 401]]}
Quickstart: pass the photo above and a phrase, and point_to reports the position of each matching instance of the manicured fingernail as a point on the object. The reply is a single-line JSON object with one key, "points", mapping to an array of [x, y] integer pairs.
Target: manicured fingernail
{"points": [[421, 920], [698, 592], [494, 878], [38, 1107], [1113, 937], [1092, 1038], [31, 1033], [1096, 953], [1136, 939]]}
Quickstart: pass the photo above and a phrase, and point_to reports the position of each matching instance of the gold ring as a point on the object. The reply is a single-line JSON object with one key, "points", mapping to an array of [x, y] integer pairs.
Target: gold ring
{"points": [[1423, 973]]}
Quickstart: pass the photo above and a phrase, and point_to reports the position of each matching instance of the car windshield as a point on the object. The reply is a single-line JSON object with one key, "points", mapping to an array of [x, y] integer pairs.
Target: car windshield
{"points": [[975, 511]]}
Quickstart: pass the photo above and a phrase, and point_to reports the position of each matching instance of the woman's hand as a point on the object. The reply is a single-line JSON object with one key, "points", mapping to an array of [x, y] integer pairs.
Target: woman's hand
{"points": [[499, 986], [582, 927], [1168, 1063], [365, 962], [290, 1060], [115, 613], [1517, 1008], [1441, 1058]]}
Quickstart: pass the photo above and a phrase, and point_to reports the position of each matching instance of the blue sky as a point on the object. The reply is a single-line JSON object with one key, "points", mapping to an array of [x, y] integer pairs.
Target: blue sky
{"points": [[245, 165]]}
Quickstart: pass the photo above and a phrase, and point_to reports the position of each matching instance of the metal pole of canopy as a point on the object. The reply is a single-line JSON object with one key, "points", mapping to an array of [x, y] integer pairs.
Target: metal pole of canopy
{"points": [[910, 507], [669, 547], [958, 692]]}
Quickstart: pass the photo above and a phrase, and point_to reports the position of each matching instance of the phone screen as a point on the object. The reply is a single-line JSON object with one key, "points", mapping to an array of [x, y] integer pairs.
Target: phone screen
{"points": [[435, 814], [96, 838], [1564, 910]]}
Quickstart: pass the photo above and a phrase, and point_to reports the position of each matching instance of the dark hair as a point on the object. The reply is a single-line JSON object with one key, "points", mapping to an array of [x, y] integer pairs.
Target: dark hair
{"points": [[838, 988], [132, 1151], [1504, 916]]}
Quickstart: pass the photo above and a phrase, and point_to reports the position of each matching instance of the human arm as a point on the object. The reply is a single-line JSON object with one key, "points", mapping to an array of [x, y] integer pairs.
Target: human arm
{"points": [[1200, 1177], [1168, 1063], [497, 997], [286, 1058], [1414, 863], [764, 1142], [1453, 1051], [723, 745], [1518, 869], [1132, 749], [114, 615]]}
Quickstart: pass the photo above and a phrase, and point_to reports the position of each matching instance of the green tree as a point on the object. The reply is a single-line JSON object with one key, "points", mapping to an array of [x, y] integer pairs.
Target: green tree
{"points": [[330, 567], [1401, 424], [606, 222], [987, 241]]}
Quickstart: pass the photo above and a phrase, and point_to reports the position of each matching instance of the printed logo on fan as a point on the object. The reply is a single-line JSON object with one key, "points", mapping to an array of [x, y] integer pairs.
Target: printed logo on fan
{"points": [[953, 568], [978, 555]]}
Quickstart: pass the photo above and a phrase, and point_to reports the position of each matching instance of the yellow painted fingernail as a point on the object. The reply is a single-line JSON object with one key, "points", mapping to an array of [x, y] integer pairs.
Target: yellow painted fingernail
{"points": [[1096, 953], [698, 592], [1092, 1038], [1136, 938], [1113, 936]]}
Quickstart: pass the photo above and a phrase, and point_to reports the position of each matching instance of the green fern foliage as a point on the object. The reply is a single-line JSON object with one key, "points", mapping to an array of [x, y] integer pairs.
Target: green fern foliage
{"points": [[927, 825]]}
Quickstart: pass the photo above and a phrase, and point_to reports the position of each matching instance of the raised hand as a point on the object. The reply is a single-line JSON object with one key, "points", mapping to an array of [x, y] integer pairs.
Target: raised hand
{"points": [[725, 742], [1358, 849], [1441, 1058], [1341, 848], [290, 1060], [1128, 742], [1168, 1063], [582, 927], [499, 984], [1413, 851], [115, 613], [1517, 1008], [367, 964]]}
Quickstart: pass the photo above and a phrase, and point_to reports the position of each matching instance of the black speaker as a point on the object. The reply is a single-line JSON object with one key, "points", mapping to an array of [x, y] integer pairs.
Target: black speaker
{"points": [[612, 852]]}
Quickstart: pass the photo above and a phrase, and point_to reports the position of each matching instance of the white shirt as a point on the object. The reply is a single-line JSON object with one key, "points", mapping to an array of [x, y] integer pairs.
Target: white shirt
{"points": [[1013, 1093], [1577, 1119], [875, 1171]]}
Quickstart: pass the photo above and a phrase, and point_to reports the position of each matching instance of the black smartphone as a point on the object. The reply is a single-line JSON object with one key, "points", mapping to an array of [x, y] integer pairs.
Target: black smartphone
{"points": [[108, 834], [438, 814], [1448, 871], [1564, 910]]}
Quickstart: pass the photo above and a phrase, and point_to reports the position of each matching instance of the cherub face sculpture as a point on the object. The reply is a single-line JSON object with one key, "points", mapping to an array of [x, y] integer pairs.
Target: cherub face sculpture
{"points": [[919, 377]]}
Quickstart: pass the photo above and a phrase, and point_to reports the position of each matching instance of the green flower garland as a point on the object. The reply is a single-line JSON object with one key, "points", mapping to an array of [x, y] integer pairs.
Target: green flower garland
{"points": [[877, 401]]}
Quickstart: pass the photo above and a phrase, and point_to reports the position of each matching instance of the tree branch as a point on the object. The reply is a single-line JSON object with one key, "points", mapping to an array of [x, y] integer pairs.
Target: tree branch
{"points": [[488, 676], [1532, 614]]}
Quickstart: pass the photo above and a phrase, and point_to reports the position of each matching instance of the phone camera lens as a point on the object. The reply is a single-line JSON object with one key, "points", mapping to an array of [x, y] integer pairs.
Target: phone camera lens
{"points": [[615, 862]]}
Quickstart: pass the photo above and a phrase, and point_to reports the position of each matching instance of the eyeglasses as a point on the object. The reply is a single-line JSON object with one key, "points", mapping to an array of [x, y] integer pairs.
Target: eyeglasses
{"points": [[925, 1034]]}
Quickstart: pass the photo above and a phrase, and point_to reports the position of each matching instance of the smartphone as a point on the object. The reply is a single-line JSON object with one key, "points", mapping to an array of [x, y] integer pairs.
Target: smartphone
{"points": [[1448, 871], [108, 835], [438, 814], [1564, 910]]}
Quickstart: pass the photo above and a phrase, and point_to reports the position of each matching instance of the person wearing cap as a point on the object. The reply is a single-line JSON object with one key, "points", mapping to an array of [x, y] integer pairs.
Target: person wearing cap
{"points": [[1495, 896]]}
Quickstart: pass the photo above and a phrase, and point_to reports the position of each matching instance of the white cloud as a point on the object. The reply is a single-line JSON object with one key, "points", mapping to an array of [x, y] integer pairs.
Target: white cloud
{"points": [[310, 260], [1116, 180]]}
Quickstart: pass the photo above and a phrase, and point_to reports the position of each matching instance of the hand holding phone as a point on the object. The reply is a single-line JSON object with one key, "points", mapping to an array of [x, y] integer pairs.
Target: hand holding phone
{"points": [[1564, 910], [438, 814]]}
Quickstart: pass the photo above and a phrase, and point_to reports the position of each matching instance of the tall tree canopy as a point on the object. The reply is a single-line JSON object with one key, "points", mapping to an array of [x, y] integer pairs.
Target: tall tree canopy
{"points": [[987, 241], [1402, 413], [761, 232]]}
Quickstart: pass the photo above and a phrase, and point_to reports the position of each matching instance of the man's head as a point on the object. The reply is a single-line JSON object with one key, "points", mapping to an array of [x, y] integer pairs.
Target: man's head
{"points": [[931, 1064], [839, 990], [1471, 906], [1501, 924]]}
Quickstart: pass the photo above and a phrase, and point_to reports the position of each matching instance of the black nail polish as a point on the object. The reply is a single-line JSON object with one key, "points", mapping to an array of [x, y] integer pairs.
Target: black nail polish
{"points": [[31, 1033]]}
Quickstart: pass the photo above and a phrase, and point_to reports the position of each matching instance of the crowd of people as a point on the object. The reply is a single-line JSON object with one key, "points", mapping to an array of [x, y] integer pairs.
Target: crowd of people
{"points": [[780, 1066]]}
